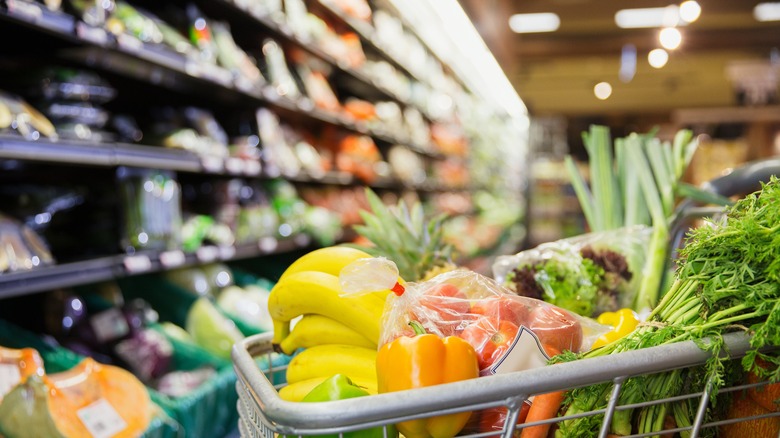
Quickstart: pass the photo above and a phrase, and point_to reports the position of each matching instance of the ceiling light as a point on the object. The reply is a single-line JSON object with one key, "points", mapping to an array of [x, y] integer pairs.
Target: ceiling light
{"points": [[689, 11], [658, 58], [767, 11], [531, 23], [648, 17], [602, 90], [670, 38]]}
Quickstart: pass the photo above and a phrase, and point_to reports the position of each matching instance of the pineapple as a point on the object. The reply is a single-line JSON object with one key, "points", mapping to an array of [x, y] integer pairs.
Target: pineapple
{"points": [[402, 235]]}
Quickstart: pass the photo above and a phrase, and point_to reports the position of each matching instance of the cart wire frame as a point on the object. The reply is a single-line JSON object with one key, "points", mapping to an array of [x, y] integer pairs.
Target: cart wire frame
{"points": [[263, 414]]}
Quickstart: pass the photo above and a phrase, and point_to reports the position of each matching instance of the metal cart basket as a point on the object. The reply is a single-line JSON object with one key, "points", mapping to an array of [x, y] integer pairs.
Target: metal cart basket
{"points": [[264, 415]]}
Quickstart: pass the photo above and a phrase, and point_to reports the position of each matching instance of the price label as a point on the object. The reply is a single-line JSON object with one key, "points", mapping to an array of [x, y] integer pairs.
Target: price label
{"points": [[172, 259], [227, 252], [26, 10], [244, 84], [9, 378], [525, 353], [109, 325], [234, 165], [137, 263], [129, 43], [207, 254], [101, 419], [252, 167], [93, 34], [212, 163], [267, 244]]}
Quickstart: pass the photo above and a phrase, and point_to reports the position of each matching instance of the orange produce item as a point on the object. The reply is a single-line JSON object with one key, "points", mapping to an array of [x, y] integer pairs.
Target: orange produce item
{"points": [[767, 396], [360, 109], [426, 360], [17, 366], [741, 407], [91, 396]]}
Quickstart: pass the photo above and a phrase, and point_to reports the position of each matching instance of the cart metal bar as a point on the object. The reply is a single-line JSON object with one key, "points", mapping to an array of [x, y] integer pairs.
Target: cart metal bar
{"points": [[613, 399], [483, 392], [705, 400]]}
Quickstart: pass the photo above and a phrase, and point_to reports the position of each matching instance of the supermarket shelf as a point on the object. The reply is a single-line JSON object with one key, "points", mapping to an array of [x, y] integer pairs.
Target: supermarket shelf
{"points": [[117, 266], [155, 157], [160, 67]]}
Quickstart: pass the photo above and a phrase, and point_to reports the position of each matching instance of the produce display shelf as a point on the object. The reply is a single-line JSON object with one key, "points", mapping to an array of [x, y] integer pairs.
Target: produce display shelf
{"points": [[164, 68], [366, 32], [116, 266], [155, 157], [263, 413]]}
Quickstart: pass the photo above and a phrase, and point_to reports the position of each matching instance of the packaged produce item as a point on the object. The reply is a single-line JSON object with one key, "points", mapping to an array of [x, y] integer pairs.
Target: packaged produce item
{"points": [[587, 274], [318, 89], [406, 165], [16, 365], [276, 150], [89, 400], [278, 72], [18, 117], [210, 329], [93, 12], [233, 57], [201, 35], [354, 8], [507, 332], [21, 248], [152, 208], [358, 155]]}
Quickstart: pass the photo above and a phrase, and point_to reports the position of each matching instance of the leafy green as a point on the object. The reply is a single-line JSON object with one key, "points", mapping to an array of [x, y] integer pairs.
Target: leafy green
{"points": [[728, 279]]}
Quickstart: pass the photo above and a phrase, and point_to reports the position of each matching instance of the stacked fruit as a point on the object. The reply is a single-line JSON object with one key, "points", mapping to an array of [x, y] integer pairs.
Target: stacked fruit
{"points": [[337, 334]]}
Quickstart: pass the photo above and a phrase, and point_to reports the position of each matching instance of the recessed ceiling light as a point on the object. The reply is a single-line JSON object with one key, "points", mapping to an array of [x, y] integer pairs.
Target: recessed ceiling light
{"points": [[767, 11], [602, 90], [670, 38], [648, 17], [690, 11], [658, 58], [532, 23]]}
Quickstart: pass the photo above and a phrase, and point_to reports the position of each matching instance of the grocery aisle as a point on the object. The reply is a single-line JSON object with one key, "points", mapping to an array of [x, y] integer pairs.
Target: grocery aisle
{"points": [[163, 163]]}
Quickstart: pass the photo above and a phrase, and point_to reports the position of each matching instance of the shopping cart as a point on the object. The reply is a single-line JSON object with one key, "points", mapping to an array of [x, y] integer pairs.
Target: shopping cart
{"points": [[264, 415]]}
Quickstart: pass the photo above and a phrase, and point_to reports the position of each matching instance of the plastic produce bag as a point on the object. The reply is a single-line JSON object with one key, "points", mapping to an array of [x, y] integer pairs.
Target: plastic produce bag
{"points": [[587, 274], [20, 247], [508, 332]]}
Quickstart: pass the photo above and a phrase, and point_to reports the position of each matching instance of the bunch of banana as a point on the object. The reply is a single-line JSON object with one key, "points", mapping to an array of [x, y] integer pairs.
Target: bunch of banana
{"points": [[339, 334]]}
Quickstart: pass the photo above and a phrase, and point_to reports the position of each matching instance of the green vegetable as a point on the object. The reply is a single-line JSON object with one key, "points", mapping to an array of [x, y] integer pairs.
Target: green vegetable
{"points": [[340, 387], [728, 279], [639, 184]]}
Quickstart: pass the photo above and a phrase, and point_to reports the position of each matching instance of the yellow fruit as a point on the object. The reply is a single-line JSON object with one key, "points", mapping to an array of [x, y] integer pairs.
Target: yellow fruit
{"points": [[317, 292], [327, 360], [313, 330], [295, 392], [330, 260]]}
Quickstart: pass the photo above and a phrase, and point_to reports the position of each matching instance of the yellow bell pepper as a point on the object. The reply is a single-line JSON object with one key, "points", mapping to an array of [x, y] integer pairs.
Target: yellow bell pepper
{"points": [[425, 360], [624, 322]]}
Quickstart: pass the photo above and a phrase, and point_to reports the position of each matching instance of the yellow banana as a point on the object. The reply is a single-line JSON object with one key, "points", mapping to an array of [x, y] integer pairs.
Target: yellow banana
{"points": [[329, 260], [318, 292], [315, 329], [295, 392], [330, 359]]}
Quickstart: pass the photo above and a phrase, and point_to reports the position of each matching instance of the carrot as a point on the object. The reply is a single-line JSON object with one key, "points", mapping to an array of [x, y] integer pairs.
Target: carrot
{"points": [[543, 407]]}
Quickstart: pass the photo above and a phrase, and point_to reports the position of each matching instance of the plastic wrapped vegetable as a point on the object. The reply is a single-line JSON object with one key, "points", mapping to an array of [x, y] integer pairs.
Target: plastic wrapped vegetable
{"points": [[20, 248], [16, 366], [508, 333], [587, 274]]}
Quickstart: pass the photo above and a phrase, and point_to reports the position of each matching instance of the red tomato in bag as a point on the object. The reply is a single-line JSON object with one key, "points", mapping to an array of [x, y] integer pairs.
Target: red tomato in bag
{"points": [[556, 327], [503, 308], [444, 305], [493, 419], [491, 339]]}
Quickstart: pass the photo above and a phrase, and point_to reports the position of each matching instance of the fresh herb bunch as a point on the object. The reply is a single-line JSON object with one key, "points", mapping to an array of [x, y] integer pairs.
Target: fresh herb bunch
{"points": [[728, 279]]}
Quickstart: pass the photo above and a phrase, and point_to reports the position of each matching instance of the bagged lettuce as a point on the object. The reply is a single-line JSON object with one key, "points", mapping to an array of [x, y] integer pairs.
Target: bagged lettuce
{"points": [[587, 274]]}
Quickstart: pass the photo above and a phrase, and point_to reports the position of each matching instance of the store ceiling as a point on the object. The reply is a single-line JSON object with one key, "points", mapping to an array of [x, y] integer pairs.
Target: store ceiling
{"points": [[554, 73]]}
